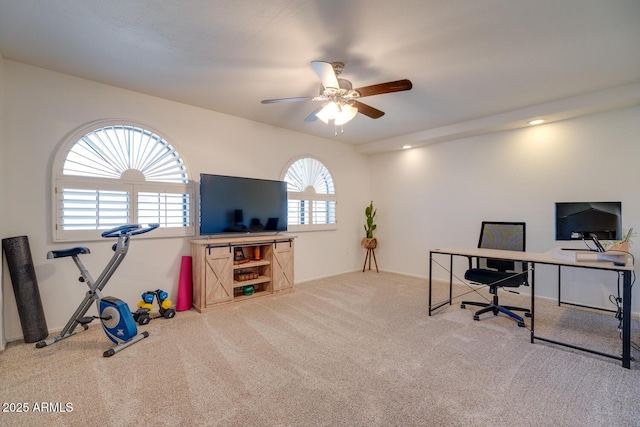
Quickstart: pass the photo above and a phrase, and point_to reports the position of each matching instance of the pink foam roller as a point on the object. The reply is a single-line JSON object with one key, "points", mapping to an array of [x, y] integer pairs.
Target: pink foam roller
{"points": [[185, 286]]}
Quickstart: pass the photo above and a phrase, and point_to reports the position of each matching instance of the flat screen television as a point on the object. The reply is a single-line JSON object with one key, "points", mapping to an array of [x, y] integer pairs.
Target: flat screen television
{"points": [[577, 220], [230, 204]]}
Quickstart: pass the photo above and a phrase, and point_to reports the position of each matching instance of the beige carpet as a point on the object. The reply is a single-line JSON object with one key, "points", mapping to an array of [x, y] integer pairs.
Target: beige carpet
{"points": [[352, 350]]}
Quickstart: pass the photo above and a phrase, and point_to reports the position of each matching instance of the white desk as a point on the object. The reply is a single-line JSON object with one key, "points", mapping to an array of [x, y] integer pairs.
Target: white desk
{"points": [[533, 258]]}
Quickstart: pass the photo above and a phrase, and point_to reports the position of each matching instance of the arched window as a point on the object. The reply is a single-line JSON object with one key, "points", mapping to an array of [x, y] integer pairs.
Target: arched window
{"points": [[109, 174], [311, 194]]}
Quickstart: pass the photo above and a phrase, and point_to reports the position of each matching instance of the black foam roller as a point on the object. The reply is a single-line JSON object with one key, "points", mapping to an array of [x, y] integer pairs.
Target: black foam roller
{"points": [[25, 288]]}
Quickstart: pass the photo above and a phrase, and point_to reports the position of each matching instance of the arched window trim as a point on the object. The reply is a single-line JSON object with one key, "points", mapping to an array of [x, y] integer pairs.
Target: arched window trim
{"points": [[136, 189], [305, 207]]}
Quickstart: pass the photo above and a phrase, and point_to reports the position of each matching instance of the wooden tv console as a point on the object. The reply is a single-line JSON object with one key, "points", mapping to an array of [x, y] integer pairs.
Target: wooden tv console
{"points": [[220, 277]]}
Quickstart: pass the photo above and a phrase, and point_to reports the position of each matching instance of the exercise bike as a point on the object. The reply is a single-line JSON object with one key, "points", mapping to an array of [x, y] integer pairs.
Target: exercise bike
{"points": [[114, 314]]}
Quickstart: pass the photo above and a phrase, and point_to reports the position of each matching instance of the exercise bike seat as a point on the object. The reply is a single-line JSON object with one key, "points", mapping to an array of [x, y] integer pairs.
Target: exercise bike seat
{"points": [[68, 252]]}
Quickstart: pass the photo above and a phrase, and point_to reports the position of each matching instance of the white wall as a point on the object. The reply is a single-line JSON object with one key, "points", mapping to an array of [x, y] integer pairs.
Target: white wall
{"points": [[2, 180], [42, 107], [436, 196]]}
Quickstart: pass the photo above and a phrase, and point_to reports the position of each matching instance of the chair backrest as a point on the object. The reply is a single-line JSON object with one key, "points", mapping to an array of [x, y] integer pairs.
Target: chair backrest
{"points": [[509, 236]]}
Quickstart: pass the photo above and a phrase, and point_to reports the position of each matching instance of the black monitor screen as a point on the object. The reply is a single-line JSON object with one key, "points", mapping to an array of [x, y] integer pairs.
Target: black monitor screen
{"points": [[577, 220], [230, 204]]}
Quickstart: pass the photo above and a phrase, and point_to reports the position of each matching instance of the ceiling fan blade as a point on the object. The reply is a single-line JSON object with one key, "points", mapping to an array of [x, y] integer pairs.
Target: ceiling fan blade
{"points": [[312, 117], [273, 101], [368, 110], [327, 75], [396, 86]]}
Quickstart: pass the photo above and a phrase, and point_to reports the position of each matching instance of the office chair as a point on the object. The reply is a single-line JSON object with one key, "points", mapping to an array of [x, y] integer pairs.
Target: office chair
{"points": [[497, 273]]}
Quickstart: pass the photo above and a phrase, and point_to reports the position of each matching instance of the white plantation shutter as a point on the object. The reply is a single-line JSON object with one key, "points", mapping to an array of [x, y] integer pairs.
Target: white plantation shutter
{"points": [[93, 208], [167, 209], [311, 195], [111, 150], [119, 174]]}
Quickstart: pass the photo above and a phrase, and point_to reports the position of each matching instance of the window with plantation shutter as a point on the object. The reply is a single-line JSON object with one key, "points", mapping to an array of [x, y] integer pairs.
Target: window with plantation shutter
{"points": [[311, 196], [84, 208], [112, 174]]}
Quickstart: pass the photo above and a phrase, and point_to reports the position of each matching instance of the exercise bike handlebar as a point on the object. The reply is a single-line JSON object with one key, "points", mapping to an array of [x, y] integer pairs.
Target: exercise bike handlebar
{"points": [[129, 229]]}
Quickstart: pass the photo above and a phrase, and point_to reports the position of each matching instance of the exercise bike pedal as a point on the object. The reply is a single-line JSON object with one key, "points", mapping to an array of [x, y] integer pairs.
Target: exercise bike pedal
{"points": [[84, 321]]}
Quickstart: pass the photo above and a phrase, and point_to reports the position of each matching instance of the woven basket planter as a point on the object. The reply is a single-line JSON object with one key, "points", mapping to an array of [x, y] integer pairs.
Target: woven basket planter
{"points": [[369, 243]]}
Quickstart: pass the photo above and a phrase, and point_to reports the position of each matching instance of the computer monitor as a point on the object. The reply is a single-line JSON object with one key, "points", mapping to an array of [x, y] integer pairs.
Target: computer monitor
{"points": [[579, 220]]}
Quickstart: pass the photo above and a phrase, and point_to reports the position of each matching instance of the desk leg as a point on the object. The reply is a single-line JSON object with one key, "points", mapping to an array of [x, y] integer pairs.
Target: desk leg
{"points": [[533, 299], [559, 285], [450, 278], [440, 304], [430, 276], [626, 320]]}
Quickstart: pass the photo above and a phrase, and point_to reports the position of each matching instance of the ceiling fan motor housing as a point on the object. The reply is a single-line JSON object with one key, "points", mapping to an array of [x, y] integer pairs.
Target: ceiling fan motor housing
{"points": [[338, 67]]}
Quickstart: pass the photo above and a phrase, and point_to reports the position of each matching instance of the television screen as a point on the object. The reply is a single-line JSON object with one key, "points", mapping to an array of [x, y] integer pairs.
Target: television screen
{"points": [[230, 204], [578, 220]]}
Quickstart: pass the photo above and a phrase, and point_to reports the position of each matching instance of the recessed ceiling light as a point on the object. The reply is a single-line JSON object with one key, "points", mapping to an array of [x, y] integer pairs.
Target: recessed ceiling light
{"points": [[406, 147], [536, 122]]}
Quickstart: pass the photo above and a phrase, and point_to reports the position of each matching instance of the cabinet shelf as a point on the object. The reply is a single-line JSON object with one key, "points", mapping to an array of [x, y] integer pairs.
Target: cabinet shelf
{"points": [[250, 264], [254, 295], [261, 279]]}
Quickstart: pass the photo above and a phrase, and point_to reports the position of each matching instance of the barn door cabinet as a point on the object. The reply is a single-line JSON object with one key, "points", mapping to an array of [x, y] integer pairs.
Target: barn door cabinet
{"points": [[231, 269]]}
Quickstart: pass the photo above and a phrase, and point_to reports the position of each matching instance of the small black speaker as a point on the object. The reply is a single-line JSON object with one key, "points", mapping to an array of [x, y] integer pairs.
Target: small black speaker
{"points": [[238, 217]]}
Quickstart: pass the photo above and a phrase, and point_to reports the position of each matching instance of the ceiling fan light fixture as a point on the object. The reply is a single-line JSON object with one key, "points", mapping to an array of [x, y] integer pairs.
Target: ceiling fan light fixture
{"points": [[339, 113], [328, 112], [347, 112]]}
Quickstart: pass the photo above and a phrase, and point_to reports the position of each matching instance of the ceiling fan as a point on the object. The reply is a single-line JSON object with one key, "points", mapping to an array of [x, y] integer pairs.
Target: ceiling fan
{"points": [[339, 99]]}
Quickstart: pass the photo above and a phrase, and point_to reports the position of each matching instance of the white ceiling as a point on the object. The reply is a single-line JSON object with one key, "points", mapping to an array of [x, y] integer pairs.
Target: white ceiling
{"points": [[475, 65]]}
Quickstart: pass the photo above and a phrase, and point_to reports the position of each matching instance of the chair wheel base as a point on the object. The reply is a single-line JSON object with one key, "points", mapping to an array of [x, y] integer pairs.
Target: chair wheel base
{"points": [[463, 306], [476, 317], [527, 314], [521, 324]]}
